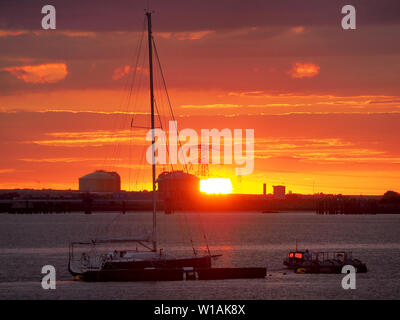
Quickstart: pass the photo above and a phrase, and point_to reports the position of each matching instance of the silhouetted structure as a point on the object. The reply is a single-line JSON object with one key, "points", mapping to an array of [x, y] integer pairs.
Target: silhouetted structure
{"points": [[390, 197], [343, 205], [186, 196], [100, 181], [177, 188], [279, 192]]}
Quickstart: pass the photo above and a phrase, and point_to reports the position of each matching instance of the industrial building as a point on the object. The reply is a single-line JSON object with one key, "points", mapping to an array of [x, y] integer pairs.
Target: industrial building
{"points": [[178, 182], [100, 181], [279, 192], [177, 188]]}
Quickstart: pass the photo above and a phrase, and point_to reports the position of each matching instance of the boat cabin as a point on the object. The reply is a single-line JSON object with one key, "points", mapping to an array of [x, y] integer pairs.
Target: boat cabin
{"points": [[296, 256]]}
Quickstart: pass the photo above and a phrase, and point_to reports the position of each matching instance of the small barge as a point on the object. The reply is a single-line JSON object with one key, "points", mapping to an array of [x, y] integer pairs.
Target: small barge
{"points": [[302, 261]]}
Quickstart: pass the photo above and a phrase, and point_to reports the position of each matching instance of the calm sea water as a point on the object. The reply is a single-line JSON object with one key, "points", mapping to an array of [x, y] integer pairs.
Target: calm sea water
{"points": [[28, 242]]}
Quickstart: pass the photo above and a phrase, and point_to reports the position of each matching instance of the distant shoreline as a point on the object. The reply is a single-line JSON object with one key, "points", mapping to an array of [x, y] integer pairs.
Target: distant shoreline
{"points": [[64, 201]]}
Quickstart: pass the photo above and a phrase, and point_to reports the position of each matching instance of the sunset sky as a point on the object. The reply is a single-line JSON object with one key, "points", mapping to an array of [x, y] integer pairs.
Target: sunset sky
{"points": [[324, 102]]}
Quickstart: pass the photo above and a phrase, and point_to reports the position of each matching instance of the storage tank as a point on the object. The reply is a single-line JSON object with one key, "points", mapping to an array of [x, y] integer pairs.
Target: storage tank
{"points": [[177, 189], [179, 183], [100, 181], [279, 192]]}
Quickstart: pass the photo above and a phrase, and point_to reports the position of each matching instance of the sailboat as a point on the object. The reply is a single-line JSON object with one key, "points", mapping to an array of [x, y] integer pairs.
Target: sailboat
{"points": [[148, 262]]}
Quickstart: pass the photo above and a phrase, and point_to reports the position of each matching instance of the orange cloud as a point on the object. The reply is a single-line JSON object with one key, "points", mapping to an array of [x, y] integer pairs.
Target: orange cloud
{"points": [[298, 30], [42, 73], [7, 170], [304, 70], [193, 35], [185, 35], [119, 73], [12, 33], [66, 160], [88, 138], [122, 72], [74, 34], [212, 106], [323, 151]]}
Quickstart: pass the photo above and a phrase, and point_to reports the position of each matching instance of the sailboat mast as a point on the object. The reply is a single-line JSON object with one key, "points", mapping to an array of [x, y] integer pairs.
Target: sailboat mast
{"points": [[150, 45]]}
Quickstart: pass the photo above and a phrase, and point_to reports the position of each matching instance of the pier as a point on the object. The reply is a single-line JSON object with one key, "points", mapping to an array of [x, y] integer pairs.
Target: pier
{"points": [[67, 201], [342, 205]]}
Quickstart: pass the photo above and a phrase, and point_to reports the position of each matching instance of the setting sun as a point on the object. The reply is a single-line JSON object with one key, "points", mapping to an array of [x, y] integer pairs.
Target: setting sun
{"points": [[216, 185]]}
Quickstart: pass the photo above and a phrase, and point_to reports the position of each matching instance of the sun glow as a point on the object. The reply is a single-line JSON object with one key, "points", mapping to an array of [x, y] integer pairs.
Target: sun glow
{"points": [[216, 186]]}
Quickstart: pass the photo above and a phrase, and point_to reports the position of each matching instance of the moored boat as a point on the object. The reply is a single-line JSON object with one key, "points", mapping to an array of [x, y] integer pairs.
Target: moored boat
{"points": [[94, 257], [302, 261], [114, 259]]}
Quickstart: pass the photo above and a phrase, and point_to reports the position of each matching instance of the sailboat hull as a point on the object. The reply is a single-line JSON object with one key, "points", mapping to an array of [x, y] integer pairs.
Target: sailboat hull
{"points": [[173, 274], [159, 262], [195, 262]]}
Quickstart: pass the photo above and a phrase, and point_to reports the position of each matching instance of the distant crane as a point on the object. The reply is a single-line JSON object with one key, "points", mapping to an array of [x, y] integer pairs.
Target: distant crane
{"points": [[203, 169], [203, 160]]}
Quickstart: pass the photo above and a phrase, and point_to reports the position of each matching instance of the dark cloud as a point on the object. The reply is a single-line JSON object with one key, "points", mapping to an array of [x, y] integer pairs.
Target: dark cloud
{"points": [[245, 36], [350, 62], [174, 15]]}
